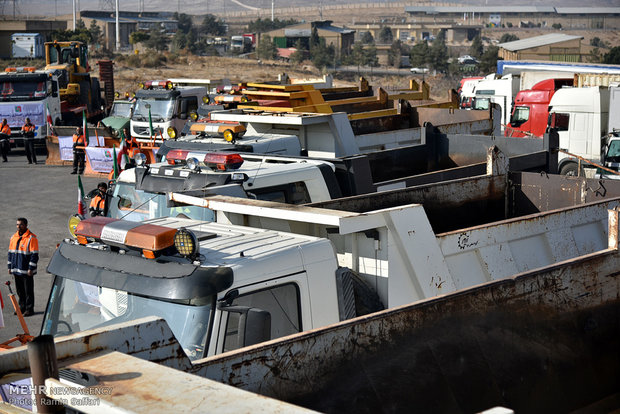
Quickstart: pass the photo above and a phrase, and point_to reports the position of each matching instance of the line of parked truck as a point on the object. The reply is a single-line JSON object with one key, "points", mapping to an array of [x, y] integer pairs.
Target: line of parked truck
{"points": [[362, 242], [576, 105]]}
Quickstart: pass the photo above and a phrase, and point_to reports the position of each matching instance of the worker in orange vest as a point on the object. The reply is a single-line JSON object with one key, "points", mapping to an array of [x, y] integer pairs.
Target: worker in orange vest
{"points": [[79, 155], [98, 202], [28, 134], [22, 260], [5, 135]]}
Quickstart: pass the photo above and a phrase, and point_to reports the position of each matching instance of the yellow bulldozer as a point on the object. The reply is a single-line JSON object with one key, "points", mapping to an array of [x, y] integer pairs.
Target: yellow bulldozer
{"points": [[79, 91]]}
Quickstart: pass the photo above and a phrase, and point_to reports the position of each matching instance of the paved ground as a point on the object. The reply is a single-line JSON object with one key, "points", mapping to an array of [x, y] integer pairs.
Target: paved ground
{"points": [[47, 197]]}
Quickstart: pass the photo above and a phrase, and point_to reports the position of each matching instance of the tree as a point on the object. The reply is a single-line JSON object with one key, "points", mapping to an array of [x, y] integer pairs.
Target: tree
{"points": [[81, 35], [419, 54], [299, 55], [438, 53], [266, 49], [367, 38], [394, 54], [184, 23], [322, 55], [508, 37], [488, 60], [260, 26], [385, 35], [597, 42], [314, 38], [557, 26], [138, 37], [157, 40], [213, 25], [96, 36], [613, 56], [477, 48]]}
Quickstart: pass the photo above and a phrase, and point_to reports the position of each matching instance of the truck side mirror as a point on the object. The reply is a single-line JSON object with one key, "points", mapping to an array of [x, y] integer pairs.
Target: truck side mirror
{"points": [[254, 324], [54, 89]]}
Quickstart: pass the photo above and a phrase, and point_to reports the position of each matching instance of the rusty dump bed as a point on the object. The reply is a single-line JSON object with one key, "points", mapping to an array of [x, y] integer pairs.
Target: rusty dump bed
{"points": [[544, 341], [458, 204]]}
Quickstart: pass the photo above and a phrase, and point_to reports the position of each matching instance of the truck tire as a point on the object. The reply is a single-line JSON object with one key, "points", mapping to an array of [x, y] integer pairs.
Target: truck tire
{"points": [[570, 169]]}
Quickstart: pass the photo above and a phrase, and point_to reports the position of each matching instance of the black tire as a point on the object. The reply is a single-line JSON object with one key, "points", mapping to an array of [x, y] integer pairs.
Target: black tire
{"points": [[571, 169]]}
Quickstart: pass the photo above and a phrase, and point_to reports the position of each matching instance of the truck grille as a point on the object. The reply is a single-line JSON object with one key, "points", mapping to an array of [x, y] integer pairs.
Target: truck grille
{"points": [[144, 131]]}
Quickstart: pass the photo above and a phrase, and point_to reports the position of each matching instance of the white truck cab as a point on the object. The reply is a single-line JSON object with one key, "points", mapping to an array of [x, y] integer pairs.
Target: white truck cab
{"points": [[580, 115], [29, 93], [165, 107], [499, 91], [140, 193], [219, 287]]}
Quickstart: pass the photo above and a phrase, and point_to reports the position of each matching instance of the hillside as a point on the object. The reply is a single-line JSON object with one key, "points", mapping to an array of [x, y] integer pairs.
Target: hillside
{"points": [[47, 8]]}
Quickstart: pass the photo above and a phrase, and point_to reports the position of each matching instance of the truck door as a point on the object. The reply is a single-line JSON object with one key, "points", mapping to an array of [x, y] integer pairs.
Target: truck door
{"points": [[286, 300], [187, 105]]}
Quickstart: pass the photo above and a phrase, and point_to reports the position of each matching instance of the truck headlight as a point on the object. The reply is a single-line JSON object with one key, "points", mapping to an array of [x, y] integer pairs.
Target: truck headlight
{"points": [[172, 132], [186, 243]]}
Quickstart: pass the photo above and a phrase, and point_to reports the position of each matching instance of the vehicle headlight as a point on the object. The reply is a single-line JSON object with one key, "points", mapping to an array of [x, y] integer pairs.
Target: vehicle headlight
{"points": [[172, 132], [186, 243]]}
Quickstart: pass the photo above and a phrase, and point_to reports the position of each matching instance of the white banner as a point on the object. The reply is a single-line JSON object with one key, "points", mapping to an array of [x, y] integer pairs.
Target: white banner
{"points": [[65, 146], [100, 159], [16, 113], [95, 141]]}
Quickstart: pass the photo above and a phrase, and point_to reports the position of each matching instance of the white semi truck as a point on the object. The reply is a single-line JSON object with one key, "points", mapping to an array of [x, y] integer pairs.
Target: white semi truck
{"points": [[581, 116], [29, 93]]}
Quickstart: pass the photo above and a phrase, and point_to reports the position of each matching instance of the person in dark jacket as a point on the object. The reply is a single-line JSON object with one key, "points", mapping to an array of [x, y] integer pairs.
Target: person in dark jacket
{"points": [[28, 130], [23, 259]]}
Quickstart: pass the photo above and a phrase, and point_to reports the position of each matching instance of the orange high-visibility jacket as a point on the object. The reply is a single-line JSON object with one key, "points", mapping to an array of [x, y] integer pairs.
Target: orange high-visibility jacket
{"points": [[23, 253]]}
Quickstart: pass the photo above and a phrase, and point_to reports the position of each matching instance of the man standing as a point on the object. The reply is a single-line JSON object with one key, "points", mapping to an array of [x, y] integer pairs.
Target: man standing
{"points": [[5, 135], [28, 134], [23, 258], [97, 203], [79, 155]]}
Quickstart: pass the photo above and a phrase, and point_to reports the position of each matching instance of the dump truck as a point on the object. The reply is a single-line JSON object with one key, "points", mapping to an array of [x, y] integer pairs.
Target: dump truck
{"points": [[163, 107], [533, 255]]}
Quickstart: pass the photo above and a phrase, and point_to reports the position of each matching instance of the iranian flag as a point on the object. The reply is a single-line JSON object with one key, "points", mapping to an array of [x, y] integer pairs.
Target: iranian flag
{"points": [[85, 128], [122, 158], [116, 168], [50, 123], [81, 205], [151, 123]]}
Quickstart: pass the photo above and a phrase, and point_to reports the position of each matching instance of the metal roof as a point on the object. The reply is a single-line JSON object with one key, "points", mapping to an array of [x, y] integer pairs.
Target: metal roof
{"points": [[479, 9], [536, 41], [511, 9], [589, 10]]}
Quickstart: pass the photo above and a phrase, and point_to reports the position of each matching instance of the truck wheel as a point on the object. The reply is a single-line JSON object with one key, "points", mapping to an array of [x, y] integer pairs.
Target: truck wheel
{"points": [[571, 169]]}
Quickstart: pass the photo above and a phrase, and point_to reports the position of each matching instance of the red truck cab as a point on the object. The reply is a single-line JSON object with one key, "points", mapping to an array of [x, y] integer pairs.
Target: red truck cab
{"points": [[531, 109]]}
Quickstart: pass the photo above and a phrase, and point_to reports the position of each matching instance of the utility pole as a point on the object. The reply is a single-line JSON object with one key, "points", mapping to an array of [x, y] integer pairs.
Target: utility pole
{"points": [[118, 30], [272, 6], [74, 15], [321, 10]]}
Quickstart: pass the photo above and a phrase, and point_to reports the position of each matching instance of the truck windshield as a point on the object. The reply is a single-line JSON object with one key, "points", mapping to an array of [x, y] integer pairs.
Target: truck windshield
{"points": [[76, 306], [520, 115], [122, 109], [481, 104], [613, 151], [137, 205], [17, 90], [161, 110]]}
